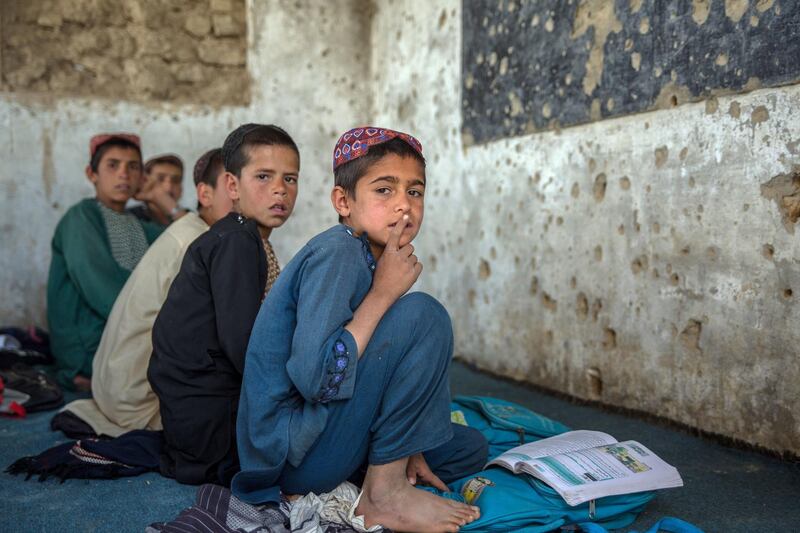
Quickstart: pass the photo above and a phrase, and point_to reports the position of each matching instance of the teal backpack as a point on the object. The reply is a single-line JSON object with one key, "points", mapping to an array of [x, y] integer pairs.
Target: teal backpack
{"points": [[521, 503]]}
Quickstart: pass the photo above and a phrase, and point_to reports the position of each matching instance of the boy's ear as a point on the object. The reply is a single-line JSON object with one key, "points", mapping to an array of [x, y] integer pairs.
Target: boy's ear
{"points": [[340, 201], [90, 174], [205, 194], [232, 186]]}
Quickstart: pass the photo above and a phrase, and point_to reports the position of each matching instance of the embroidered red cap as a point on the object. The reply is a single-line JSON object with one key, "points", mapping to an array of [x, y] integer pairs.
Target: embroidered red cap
{"points": [[356, 142], [103, 138]]}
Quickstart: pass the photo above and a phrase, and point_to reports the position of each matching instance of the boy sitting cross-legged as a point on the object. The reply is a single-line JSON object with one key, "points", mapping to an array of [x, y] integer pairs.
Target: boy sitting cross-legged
{"points": [[122, 399], [201, 333], [95, 247], [344, 371]]}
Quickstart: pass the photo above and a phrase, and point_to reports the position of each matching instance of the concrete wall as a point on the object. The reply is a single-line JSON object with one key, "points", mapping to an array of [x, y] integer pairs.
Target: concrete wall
{"points": [[302, 70], [648, 262]]}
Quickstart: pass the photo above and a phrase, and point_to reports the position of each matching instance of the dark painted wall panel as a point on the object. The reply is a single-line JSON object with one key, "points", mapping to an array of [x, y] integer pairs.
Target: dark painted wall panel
{"points": [[533, 65]]}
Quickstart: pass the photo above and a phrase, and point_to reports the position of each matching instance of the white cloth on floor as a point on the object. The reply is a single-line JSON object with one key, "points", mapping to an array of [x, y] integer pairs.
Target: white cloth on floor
{"points": [[337, 506]]}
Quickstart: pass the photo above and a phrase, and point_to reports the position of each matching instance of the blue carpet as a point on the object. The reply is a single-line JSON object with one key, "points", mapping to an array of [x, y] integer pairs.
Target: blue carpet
{"points": [[726, 490], [126, 504]]}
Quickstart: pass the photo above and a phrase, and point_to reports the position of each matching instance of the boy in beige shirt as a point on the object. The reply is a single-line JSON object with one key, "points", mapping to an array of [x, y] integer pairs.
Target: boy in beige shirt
{"points": [[122, 398]]}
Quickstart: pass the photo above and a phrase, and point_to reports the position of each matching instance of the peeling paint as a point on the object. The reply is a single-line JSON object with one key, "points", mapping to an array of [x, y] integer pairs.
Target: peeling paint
{"points": [[784, 190], [599, 188], [764, 5], [690, 337], [597, 14], [549, 303], [661, 155], [484, 269], [700, 11], [48, 169], [735, 9], [759, 115]]}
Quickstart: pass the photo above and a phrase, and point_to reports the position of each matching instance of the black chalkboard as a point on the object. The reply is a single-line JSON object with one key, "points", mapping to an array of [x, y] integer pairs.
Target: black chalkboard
{"points": [[534, 65]]}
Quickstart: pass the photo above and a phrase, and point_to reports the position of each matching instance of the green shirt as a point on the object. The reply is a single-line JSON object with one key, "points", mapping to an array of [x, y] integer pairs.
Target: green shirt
{"points": [[94, 250]]}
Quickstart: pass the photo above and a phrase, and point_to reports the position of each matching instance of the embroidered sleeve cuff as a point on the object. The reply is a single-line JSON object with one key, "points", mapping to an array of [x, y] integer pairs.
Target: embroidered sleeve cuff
{"points": [[340, 378]]}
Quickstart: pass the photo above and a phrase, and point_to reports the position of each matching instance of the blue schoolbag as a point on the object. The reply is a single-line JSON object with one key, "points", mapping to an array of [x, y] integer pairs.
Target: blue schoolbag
{"points": [[504, 424], [521, 503]]}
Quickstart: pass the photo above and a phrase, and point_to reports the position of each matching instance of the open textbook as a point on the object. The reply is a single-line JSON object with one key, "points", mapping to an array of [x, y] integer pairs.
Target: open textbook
{"points": [[586, 465]]}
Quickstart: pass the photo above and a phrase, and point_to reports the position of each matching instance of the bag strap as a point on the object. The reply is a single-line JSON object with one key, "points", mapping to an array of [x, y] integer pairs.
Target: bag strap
{"points": [[668, 525]]}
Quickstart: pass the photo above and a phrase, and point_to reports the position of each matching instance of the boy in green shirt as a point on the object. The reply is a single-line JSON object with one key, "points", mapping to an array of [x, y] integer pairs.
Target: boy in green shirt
{"points": [[95, 247]]}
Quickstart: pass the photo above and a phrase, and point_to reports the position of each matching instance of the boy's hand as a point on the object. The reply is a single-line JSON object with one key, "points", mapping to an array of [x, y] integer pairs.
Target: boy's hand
{"points": [[418, 471], [398, 268], [161, 198], [145, 188]]}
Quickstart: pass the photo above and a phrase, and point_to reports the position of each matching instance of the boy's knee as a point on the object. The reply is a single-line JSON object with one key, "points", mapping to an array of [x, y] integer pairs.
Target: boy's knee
{"points": [[425, 309]]}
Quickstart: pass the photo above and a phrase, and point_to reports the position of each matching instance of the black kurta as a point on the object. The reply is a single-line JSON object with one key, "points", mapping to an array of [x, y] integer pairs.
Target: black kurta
{"points": [[199, 342]]}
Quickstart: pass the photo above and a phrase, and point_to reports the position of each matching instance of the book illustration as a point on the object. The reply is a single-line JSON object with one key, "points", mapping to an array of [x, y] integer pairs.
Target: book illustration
{"points": [[622, 455]]}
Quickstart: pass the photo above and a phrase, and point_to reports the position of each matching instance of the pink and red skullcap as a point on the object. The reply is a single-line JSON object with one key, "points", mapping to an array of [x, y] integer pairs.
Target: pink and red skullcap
{"points": [[102, 138], [356, 142]]}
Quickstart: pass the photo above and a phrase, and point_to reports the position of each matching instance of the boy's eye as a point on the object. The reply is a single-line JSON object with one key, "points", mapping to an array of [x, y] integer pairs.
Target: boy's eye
{"points": [[415, 193], [290, 179], [262, 176], [383, 190]]}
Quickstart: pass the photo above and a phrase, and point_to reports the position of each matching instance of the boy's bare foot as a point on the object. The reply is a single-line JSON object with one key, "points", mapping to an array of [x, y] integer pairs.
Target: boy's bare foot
{"points": [[82, 383], [390, 500]]}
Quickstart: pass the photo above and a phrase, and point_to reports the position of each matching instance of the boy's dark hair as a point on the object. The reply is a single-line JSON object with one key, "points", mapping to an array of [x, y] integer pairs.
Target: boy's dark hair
{"points": [[237, 146], [169, 159], [207, 169], [101, 150], [347, 175]]}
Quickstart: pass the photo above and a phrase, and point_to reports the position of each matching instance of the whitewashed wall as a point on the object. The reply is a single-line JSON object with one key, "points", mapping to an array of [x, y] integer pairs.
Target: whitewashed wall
{"points": [[656, 291]]}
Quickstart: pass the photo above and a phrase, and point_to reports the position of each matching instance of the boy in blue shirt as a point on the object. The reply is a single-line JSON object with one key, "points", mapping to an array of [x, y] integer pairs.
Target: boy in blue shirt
{"points": [[343, 370]]}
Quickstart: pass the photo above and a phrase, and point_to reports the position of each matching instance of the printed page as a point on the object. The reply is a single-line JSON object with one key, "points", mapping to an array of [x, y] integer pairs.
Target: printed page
{"points": [[566, 442], [618, 468]]}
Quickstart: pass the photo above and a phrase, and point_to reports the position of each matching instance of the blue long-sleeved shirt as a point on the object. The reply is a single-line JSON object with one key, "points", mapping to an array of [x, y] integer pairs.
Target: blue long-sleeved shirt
{"points": [[299, 358]]}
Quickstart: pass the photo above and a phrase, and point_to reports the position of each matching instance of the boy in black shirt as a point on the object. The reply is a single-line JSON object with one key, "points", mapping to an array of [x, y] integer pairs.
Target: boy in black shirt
{"points": [[200, 336]]}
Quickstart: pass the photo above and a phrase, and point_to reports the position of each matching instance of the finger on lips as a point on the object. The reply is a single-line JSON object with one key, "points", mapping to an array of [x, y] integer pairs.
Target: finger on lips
{"points": [[397, 231]]}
